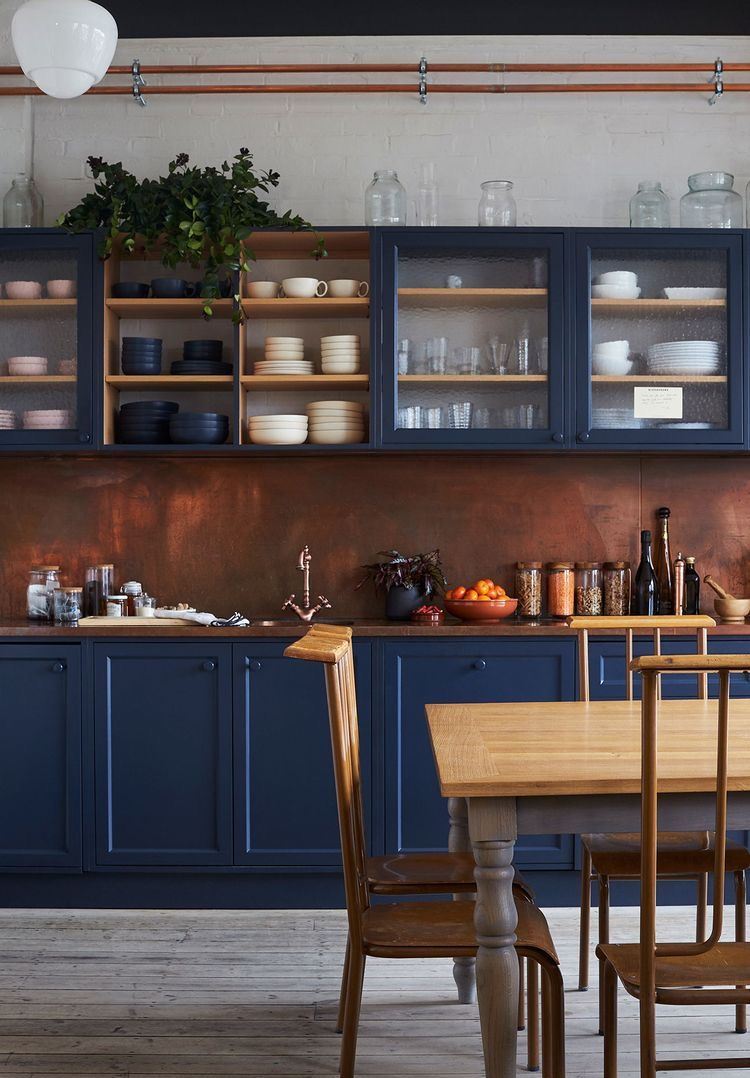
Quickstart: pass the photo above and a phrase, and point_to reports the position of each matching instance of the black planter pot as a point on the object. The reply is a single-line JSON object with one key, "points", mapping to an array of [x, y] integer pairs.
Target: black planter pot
{"points": [[399, 602]]}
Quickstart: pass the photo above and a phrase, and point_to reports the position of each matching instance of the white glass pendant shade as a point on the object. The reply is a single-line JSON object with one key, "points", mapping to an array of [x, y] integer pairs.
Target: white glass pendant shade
{"points": [[64, 46]]}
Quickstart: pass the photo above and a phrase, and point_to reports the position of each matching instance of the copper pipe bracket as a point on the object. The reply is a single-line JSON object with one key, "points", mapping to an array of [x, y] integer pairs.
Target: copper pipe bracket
{"points": [[423, 80], [718, 80], [138, 83]]}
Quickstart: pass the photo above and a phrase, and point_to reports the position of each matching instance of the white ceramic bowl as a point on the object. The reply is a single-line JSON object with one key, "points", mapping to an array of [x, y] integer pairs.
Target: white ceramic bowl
{"points": [[285, 341], [333, 438], [335, 413], [335, 361], [277, 436], [23, 290], [313, 406], [604, 365], [291, 417], [339, 346], [31, 365], [61, 289], [614, 291], [625, 277], [263, 289], [340, 368], [612, 348], [288, 356], [695, 293]]}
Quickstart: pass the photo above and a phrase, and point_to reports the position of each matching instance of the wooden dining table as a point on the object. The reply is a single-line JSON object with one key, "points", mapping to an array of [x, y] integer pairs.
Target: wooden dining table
{"points": [[531, 768]]}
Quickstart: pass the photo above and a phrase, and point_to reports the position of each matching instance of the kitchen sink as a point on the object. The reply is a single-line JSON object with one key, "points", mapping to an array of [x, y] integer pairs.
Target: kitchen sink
{"points": [[296, 621]]}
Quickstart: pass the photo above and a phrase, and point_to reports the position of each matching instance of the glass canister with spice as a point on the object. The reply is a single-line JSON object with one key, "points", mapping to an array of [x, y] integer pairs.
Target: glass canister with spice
{"points": [[588, 600], [529, 589], [616, 588], [560, 589]]}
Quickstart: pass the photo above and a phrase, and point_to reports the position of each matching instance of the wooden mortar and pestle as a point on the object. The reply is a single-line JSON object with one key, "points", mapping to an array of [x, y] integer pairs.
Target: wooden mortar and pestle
{"points": [[729, 608]]}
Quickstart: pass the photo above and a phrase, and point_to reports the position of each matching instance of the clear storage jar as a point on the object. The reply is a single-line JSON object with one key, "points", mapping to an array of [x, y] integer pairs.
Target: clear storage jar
{"points": [[99, 583], [497, 207], [711, 202], [616, 588], [588, 601], [528, 587], [649, 206], [67, 605], [385, 199], [43, 579], [560, 589]]}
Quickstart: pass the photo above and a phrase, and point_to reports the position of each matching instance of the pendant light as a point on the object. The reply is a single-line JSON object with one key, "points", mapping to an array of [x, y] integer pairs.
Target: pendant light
{"points": [[64, 46]]}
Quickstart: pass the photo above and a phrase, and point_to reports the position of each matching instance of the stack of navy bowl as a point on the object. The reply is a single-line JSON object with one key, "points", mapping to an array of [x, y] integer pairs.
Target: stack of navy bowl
{"points": [[141, 355], [199, 428], [201, 357], [145, 422]]}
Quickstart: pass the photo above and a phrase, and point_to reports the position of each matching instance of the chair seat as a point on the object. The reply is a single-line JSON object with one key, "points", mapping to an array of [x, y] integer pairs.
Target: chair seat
{"points": [[679, 854], [726, 964], [429, 873], [446, 930]]}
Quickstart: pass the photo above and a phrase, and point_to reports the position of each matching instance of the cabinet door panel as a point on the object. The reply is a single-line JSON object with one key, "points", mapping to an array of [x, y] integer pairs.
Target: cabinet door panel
{"points": [[40, 756], [285, 803], [607, 666], [163, 754], [477, 671]]}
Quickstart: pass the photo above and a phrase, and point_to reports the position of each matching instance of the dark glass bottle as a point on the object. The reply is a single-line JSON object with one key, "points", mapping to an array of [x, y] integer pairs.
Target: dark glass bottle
{"points": [[692, 588], [646, 590], [663, 559]]}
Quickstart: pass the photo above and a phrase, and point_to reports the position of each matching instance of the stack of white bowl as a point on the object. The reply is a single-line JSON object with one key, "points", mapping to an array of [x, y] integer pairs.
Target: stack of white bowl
{"points": [[617, 284], [611, 358], [336, 422], [26, 366], [284, 355], [277, 429], [340, 354], [47, 419], [7, 419]]}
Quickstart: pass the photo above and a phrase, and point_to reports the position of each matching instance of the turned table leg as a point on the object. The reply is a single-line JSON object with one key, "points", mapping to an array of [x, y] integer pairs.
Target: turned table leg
{"points": [[458, 842], [492, 829]]}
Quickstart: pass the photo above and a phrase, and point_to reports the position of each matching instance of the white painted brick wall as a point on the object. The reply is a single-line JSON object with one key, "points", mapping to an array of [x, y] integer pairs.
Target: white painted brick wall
{"points": [[575, 159]]}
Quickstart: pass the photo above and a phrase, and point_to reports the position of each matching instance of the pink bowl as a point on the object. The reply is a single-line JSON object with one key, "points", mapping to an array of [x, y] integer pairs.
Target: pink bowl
{"points": [[61, 289], [23, 290], [478, 610]]}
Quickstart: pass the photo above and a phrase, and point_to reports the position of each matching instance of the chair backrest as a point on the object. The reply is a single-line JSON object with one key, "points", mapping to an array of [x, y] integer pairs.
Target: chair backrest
{"points": [[332, 646], [629, 624], [651, 668]]}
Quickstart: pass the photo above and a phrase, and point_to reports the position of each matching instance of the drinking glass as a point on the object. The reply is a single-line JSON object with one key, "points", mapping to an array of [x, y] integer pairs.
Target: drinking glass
{"points": [[405, 353], [466, 360], [459, 415], [521, 355], [432, 418], [498, 352], [427, 196], [482, 418]]}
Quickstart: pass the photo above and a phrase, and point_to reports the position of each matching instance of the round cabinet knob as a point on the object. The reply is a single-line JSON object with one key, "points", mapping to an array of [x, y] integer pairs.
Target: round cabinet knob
{"points": [[583, 436], [557, 436], [84, 437], [57, 668], [208, 666], [254, 664], [480, 664]]}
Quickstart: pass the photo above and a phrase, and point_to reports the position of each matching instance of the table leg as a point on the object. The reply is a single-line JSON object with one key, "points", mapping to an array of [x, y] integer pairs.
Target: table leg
{"points": [[492, 828], [458, 842]]}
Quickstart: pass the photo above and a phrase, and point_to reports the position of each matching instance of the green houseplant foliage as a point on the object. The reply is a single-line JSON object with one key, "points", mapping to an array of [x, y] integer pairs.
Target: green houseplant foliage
{"points": [[199, 216]]}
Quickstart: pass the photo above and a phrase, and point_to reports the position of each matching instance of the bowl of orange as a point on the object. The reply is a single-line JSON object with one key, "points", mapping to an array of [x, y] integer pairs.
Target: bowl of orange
{"points": [[482, 601]]}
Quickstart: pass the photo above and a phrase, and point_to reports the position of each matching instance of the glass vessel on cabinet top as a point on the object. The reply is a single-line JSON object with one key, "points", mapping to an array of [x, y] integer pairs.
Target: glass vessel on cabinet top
{"points": [[472, 343], [659, 350]]}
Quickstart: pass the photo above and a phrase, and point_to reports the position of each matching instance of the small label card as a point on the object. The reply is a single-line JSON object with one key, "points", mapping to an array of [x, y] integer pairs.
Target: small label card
{"points": [[657, 402]]}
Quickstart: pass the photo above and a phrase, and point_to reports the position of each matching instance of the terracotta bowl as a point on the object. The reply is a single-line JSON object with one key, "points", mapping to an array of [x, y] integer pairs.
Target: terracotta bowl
{"points": [[477, 610]]}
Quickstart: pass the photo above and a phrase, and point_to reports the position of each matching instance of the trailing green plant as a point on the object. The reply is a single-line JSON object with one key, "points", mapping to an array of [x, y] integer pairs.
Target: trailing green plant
{"points": [[421, 571], [199, 216]]}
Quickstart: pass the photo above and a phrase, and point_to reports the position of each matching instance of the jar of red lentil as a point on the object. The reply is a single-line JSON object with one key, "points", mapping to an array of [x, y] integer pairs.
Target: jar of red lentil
{"points": [[560, 589]]}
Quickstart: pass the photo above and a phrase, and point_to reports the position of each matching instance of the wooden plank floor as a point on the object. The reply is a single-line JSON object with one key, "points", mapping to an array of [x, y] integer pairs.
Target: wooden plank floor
{"points": [[99, 993]]}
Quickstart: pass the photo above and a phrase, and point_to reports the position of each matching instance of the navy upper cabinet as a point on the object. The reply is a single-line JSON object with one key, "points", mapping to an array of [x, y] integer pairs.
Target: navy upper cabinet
{"points": [[658, 339], [40, 756], [419, 672], [47, 332], [163, 746], [285, 800], [473, 334]]}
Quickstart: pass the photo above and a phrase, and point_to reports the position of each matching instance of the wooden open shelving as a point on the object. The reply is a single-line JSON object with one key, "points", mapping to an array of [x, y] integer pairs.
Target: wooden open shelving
{"points": [[167, 308], [175, 382], [467, 297], [670, 306], [315, 307], [37, 379], [291, 382], [36, 306], [478, 379], [659, 379]]}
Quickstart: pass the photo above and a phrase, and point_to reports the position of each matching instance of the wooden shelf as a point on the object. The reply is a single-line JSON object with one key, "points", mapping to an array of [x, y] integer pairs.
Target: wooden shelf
{"points": [[168, 308], [288, 244], [318, 382], [37, 379], [37, 306], [468, 297], [655, 379], [170, 381], [478, 379], [672, 306], [316, 307]]}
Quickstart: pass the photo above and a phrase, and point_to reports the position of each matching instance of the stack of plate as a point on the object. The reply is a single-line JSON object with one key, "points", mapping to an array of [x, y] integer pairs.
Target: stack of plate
{"points": [[25, 366], [141, 355], [199, 428], [48, 419], [201, 357], [284, 355], [277, 429], [684, 357], [340, 354], [336, 422], [695, 293], [616, 418], [7, 419], [145, 422]]}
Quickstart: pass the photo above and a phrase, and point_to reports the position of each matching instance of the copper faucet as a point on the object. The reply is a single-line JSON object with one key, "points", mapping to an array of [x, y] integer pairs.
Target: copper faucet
{"points": [[305, 612]]}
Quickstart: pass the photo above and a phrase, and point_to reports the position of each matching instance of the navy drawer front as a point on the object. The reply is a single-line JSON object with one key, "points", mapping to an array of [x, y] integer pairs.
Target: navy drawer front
{"points": [[607, 667]]}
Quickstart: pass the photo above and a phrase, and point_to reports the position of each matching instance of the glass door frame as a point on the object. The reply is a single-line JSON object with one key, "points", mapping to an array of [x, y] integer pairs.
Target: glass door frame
{"points": [[588, 241], [394, 241]]}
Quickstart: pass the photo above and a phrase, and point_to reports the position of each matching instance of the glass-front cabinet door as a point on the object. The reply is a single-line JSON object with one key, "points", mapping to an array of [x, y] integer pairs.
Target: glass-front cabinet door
{"points": [[472, 338], [659, 339], [46, 338]]}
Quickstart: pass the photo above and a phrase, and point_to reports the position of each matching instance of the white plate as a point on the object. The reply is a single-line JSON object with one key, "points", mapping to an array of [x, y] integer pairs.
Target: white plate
{"points": [[695, 293], [285, 341], [277, 437], [312, 405], [283, 417], [341, 338]]}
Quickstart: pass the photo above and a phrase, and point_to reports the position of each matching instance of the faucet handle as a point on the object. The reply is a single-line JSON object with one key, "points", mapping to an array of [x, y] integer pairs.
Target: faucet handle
{"points": [[324, 604], [289, 602]]}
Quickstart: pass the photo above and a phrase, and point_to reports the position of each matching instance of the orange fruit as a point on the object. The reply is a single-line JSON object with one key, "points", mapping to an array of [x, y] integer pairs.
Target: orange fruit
{"points": [[459, 592], [492, 593], [501, 592], [491, 583], [470, 593], [449, 594], [484, 598], [481, 587]]}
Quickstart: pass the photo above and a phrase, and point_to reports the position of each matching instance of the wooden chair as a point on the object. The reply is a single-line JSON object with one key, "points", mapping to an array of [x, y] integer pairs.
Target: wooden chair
{"points": [[688, 856], [666, 973], [409, 930]]}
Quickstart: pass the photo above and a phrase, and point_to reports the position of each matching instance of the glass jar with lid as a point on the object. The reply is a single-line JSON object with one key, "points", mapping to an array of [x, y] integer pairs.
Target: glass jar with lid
{"points": [[649, 206], [99, 583], [711, 202], [497, 206], [43, 579], [528, 587], [588, 601], [145, 606], [616, 588], [67, 605], [560, 589], [131, 588]]}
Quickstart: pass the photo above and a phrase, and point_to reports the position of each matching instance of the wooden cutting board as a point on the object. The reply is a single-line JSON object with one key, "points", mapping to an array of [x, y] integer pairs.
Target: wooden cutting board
{"points": [[121, 622]]}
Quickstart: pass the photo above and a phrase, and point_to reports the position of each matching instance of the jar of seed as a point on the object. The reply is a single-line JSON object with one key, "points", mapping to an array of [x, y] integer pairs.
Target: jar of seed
{"points": [[560, 589], [616, 587], [529, 588], [588, 588]]}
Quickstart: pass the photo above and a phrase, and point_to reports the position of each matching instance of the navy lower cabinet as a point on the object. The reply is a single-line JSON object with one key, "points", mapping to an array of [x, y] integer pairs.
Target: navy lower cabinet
{"points": [[461, 671], [40, 756], [163, 751], [285, 801]]}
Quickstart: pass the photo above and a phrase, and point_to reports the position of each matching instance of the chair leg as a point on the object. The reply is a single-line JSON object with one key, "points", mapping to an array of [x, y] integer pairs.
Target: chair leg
{"points": [[553, 1022], [521, 1025], [351, 1012], [609, 991], [342, 993], [533, 1012], [701, 907], [585, 930], [740, 934], [603, 882]]}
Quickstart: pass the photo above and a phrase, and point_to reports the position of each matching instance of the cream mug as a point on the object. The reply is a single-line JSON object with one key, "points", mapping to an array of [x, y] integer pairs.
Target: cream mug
{"points": [[303, 287], [344, 289], [263, 289]]}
